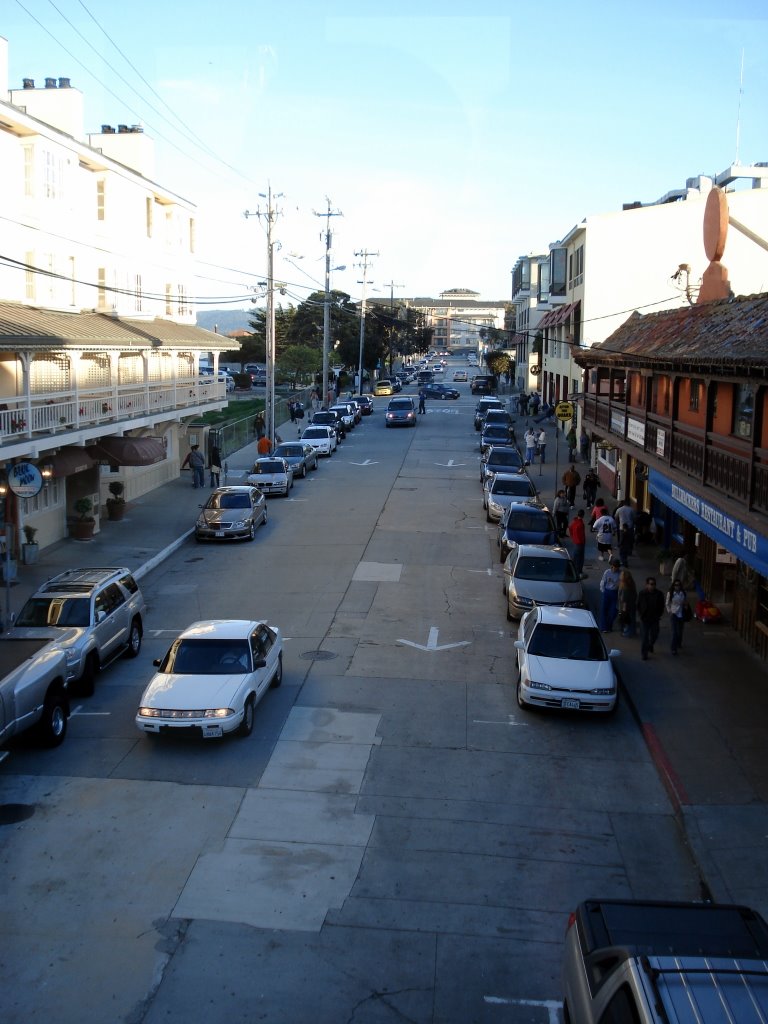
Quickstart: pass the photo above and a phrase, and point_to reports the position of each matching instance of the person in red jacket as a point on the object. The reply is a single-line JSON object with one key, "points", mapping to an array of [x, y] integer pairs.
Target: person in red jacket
{"points": [[577, 532]]}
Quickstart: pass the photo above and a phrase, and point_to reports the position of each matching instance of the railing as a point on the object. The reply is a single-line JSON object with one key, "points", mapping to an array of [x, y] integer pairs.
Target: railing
{"points": [[22, 417]]}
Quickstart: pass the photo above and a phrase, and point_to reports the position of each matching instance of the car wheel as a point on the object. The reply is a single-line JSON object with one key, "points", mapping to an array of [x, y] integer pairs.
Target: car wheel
{"points": [[134, 639], [520, 702], [277, 678], [87, 681], [52, 727], [246, 726], [264, 520], [488, 516], [317, 463], [251, 531], [510, 616], [303, 471]]}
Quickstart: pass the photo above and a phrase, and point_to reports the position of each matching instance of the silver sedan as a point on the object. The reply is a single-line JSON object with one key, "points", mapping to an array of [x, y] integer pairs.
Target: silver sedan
{"points": [[299, 455]]}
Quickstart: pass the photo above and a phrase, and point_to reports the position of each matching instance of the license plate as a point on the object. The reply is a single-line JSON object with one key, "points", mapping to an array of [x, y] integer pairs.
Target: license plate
{"points": [[211, 732], [571, 703], [219, 533]]}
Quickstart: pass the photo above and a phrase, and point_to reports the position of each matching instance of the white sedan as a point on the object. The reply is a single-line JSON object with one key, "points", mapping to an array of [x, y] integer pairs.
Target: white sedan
{"points": [[562, 662], [212, 678], [322, 439]]}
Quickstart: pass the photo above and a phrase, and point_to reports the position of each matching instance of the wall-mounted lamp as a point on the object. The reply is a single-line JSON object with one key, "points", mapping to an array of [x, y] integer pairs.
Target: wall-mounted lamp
{"points": [[3, 484], [46, 471]]}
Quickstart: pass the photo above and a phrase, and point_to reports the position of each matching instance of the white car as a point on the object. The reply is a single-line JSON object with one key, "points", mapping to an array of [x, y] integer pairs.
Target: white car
{"points": [[272, 475], [562, 662], [540, 574], [322, 439], [212, 677], [346, 414]]}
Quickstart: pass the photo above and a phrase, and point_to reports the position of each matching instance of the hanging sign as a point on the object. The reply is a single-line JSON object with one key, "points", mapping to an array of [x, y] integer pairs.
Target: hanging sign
{"points": [[25, 479]]}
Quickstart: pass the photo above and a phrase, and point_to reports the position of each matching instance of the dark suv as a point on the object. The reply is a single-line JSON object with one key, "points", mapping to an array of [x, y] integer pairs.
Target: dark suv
{"points": [[483, 385], [97, 614]]}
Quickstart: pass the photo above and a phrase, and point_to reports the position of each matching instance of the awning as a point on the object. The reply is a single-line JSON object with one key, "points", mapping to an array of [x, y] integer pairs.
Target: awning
{"points": [[67, 461], [557, 316], [129, 451]]}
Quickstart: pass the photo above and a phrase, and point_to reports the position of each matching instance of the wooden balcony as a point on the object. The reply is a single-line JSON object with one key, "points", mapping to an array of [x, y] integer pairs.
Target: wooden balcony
{"points": [[31, 417]]}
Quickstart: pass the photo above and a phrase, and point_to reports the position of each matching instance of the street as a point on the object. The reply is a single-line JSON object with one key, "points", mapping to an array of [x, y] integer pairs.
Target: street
{"points": [[395, 841]]}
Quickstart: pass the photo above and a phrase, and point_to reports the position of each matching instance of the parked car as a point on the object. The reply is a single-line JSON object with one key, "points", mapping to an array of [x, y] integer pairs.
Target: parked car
{"points": [[482, 385], [539, 574], [299, 455], [459, 375], [401, 412], [562, 662], [503, 459], [322, 438], [212, 677], [95, 614], [366, 404], [272, 475], [483, 406], [33, 689], [326, 418], [231, 513], [441, 391], [496, 417], [524, 523], [502, 489], [496, 434], [383, 387], [345, 413]]}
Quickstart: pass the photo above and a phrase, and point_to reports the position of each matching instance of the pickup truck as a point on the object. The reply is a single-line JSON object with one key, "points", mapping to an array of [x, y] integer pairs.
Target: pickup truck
{"points": [[665, 963], [33, 690]]}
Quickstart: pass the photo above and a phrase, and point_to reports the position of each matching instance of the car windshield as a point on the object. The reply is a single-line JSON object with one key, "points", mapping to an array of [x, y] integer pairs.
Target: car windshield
{"points": [[273, 466], [529, 522], [555, 570], [505, 458], [511, 487], [574, 643], [207, 657], [55, 611], [229, 500], [289, 451], [315, 433], [496, 431], [405, 405]]}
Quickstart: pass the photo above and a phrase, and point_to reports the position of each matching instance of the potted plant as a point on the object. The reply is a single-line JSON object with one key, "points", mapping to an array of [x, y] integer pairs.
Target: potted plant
{"points": [[82, 527], [30, 547], [116, 504], [665, 562]]}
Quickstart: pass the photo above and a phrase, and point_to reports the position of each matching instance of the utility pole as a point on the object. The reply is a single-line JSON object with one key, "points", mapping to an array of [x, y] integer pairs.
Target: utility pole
{"points": [[392, 287], [364, 254], [327, 302], [270, 215]]}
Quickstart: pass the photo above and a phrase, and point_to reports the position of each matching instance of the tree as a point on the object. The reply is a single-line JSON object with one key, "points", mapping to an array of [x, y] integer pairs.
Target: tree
{"points": [[500, 364], [299, 360]]}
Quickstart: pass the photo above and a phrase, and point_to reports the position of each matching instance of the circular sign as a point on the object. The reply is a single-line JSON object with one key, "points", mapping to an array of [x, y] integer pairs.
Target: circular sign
{"points": [[25, 480], [564, 411]]}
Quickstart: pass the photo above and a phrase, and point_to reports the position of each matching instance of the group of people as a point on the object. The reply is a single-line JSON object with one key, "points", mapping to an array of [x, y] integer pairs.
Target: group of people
{"points": [[195, 460], [535, 441], [620, 599]]}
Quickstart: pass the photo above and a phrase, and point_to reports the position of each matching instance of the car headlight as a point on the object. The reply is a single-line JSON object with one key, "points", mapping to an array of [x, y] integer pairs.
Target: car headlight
{"points": [[526, 602], [535, 685], [72, 656], [493, 504], [240, 524], [603, 691], [573, 604]]}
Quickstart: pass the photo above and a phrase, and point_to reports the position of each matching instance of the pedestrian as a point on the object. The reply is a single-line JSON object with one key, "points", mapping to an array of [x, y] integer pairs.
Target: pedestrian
{"points": [[196, 463], [571, 480], [314, 400], [627, 604], [541, 444], [264, 447], [535, 402], [422, 401], [292, 410], [604, 529], [626, 543], [680, 572], [258, 425], [609, 596], [561, 508], [522, 402], [584, 445], [529, 440], [598, 510], [625, 515], [578, 535], [571, 441], [650, 608], [591, 483], [214, 463], [678, 610]]}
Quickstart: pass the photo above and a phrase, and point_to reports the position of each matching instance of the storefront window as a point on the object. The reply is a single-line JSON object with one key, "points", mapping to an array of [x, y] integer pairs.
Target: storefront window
{"points": [[744, 410]]}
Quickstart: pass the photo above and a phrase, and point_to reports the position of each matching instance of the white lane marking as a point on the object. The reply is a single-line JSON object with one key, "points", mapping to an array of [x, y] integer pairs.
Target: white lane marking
{"points": [[368, 462], [432, 644], [92, 714], [490, 721], [450, 464]]}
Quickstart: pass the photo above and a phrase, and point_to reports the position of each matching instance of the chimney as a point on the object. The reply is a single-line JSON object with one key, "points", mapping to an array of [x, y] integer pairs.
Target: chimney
{"points": [[64, 83], [28, 83], [50, 83]]}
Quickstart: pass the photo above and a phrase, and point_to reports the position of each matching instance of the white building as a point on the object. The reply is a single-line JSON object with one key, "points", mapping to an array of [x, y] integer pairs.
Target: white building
{"points": [[457, 318], [99, 354]]}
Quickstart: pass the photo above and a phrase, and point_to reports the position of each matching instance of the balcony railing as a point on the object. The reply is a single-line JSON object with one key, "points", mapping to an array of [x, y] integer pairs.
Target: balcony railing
{"points": [[31, 417]]}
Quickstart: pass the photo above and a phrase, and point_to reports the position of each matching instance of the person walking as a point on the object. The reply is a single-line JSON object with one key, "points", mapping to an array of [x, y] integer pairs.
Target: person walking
{"points": [[535, 402], [571, 441], [561, 508], [522, 403], [626, 544], [680, 571], [571, 480], [599, 509], [604, 529], [650, 608], [609, 596], [530, 446], [627, 603], [264, 447], [584, 445], [292, 410], [591, 483], [577, 532], [676, 605], [196, 462], [541, 444], [314, 400], [214, 463], [422, 401]]}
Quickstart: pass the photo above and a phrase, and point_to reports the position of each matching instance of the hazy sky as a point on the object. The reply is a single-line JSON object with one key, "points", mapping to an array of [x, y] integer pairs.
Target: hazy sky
{"points": [[452, 142]]}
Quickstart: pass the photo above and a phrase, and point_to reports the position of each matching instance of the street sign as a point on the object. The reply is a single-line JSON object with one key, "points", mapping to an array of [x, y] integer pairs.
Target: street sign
{"points": [[564, 411]]}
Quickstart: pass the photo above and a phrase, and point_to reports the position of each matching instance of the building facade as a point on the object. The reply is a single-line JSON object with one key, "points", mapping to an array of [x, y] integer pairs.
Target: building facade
{"points": [[459, 319]]}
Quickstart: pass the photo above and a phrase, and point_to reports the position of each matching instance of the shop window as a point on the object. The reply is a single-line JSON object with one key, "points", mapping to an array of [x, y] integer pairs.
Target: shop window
{"points": [[694, 394], [744, 411]]}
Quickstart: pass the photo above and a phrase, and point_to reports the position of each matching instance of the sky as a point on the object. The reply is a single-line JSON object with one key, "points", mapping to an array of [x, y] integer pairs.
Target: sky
{"points": [[449, 143]]}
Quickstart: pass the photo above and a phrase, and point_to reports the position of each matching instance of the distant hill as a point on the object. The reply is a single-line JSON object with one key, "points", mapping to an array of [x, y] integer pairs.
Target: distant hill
{"points": [[223, 321]]}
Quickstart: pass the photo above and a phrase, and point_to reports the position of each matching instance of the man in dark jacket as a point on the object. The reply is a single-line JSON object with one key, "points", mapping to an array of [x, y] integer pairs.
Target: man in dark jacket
{"points": [[650, 608]]}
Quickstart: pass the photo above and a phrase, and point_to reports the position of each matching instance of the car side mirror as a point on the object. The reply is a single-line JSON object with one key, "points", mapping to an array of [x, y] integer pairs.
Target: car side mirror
{"points": [[100, 616], [614, 652], [157, 662], [261, 663], [520, 645]]}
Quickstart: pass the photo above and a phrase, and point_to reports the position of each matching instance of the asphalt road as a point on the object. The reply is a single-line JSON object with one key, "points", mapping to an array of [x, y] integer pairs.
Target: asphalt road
{"points": [[396, 841]]}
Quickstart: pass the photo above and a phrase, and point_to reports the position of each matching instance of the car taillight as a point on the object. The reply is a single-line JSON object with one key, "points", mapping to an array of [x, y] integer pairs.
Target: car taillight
{"points": [[571, 921]]}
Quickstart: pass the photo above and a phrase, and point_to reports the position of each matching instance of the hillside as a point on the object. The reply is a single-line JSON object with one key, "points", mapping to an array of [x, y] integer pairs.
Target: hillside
{"points": [[223, 321]]}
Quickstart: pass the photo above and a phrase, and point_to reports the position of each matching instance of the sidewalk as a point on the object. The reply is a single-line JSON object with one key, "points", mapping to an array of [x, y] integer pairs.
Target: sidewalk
{"points": [[704, 714]]}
